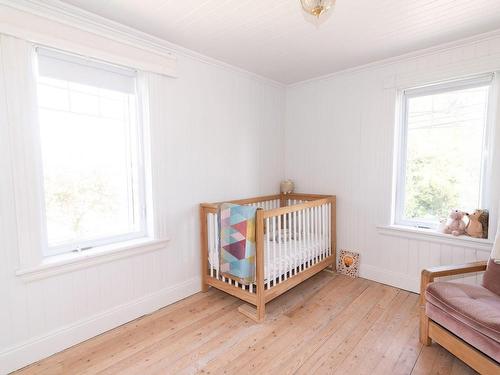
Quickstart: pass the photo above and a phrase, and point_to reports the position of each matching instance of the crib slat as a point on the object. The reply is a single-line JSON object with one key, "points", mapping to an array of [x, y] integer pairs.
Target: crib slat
{"points": [[306, 237], [286, 251], [320, 244], [310, 233], [320, 233], [329, 218], [295, 258], [297, 240], [317, 241], [303, 238], [291, 254], [313, 235], [280, 248], [274, 250], [323, 231], [268, 250]]}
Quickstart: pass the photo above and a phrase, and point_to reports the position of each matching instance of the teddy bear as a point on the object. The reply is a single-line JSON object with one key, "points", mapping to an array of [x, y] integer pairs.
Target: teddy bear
{"points": [[474, 227], [484, 220], [456, 225], [286, 187]]}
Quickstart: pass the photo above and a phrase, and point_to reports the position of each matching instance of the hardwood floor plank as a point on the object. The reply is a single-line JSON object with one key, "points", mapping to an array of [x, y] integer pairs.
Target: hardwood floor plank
{"points": [[172, 346], [328, 324], [370, 351], [169, 326], [407, 353], [312, 321], [460, 368], [340, 351], [431, 359], [338, 326], [119, 339], [402, 344], [272, 327]]}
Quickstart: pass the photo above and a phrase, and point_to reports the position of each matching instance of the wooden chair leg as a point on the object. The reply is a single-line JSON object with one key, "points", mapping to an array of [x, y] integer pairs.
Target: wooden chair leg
{"points": [[424, 328], [425, 280]]}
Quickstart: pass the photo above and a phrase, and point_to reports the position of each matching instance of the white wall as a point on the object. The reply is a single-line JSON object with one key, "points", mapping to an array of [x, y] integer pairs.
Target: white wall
{"points": [[339, 140], [219, 137]]}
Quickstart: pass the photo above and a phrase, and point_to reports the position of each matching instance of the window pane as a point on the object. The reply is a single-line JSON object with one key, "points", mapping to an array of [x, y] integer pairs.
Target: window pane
{"points": [[444, 161], [89, 150]]}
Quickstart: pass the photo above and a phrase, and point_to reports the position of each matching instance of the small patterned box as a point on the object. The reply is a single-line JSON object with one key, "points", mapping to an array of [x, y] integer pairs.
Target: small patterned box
{"points": [[348, 263]]}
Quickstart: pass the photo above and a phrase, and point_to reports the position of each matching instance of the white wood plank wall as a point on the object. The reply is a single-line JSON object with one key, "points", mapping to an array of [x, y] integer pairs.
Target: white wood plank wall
{"points": [[339, 140]]}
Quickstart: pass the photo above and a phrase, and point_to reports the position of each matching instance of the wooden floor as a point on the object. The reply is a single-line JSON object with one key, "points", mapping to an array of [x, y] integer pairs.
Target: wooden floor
{"points": [[327, 325]]}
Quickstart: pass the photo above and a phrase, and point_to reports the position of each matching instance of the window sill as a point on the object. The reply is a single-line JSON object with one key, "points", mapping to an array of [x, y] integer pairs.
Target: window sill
{"points": [[431, 235], [58, 264]]}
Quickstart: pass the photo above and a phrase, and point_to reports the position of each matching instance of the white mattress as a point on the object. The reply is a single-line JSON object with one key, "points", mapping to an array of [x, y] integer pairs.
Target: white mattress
{"points": [[285, 256], [290, 254]]}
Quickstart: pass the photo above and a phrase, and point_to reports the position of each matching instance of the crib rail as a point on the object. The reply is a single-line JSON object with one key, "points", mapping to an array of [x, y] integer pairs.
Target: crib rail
{"points": [[295, 238]]}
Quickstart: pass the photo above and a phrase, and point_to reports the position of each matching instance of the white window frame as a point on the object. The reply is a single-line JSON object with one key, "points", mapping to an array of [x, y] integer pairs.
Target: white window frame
{"points": [[139, 171], [402, 136]]}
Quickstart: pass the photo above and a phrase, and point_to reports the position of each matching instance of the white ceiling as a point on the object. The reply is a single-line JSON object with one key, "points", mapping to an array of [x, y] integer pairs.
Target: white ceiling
{"points": [[273, 38]]}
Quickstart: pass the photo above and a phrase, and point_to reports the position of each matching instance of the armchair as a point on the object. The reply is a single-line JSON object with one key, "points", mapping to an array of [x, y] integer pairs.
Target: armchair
{"points": [[463, 318]]}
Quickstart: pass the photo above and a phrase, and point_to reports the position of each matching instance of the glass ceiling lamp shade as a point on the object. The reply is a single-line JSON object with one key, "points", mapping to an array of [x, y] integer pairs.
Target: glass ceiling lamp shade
{"points": [[317, 7]]}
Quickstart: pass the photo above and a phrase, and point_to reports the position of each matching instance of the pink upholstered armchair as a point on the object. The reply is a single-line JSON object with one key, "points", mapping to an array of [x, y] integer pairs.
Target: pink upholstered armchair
{"points": [[463, 318]]}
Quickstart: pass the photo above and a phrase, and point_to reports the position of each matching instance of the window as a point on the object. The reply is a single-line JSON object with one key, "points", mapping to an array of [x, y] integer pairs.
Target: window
{"points": [[93, 177], [443, 151]]}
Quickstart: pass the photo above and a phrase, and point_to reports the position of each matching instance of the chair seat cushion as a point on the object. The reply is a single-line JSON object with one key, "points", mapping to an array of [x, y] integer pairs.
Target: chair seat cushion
{"points": [[476, 307], [472, 337]]}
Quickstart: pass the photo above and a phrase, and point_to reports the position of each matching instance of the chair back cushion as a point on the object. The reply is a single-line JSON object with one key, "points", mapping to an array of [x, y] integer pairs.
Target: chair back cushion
{"points": [[491, 278]]}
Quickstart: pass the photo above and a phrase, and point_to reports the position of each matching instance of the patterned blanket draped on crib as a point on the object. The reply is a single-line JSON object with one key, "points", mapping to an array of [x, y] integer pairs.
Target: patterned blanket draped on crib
{"points": [[237, 242]]}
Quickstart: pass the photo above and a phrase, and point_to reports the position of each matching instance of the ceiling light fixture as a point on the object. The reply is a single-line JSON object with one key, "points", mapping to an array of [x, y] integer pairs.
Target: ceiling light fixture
{"points": [[317, 7]]}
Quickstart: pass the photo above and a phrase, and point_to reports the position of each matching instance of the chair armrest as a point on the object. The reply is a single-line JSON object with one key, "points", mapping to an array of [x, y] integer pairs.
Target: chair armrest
{"points": [[429, 274]]}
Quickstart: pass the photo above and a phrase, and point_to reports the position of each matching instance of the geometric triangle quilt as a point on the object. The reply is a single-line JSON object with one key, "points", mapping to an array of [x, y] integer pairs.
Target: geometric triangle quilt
{"points": [[237, 242]]}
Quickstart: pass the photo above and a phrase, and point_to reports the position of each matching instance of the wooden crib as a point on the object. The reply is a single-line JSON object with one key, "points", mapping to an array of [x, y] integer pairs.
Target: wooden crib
{"points": [[295, 239]]}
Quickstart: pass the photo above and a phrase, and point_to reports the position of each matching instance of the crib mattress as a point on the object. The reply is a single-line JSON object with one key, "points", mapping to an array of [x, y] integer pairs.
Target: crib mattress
{"points": [[281, 257]]}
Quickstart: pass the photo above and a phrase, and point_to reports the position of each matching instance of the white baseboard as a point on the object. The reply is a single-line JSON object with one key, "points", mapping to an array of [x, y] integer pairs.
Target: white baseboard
{"points": [[399, 280], [43, 346]]}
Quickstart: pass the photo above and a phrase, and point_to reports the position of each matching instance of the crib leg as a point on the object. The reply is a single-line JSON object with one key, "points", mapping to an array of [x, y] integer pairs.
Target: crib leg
{"points": [[331, 268], [204, 248], [255, 313], [204, 287], [261, 312]]}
